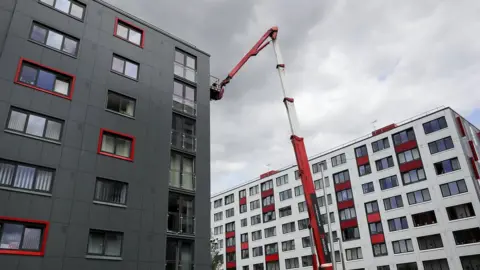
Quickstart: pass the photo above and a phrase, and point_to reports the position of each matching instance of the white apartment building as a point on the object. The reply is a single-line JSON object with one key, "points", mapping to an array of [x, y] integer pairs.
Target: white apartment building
{"points": [[405, 197]]}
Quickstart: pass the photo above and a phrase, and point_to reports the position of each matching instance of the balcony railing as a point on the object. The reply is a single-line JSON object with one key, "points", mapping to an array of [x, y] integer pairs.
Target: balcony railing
{"points": [[184, 105], [183, 141], [178, 223], [182, 180], [174, 265], [185, 72]]}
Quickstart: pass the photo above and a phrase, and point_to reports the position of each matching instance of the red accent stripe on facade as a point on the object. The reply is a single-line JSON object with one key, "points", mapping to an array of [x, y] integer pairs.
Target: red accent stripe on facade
{"points": [[384, 129], [345, 204], [474, 152], [231, 265], [406, 146], [362, 160], [349, 223], [132, 146], [230, 249], [43, 244], [373, 217], [267, 193], [142, 42], [377, 238], [342, 186], [408, 166], [460, 126], [271, 257], [267, 174], [230, 234], [475, 169], [268, 208], [244, 245], [243, 200]]}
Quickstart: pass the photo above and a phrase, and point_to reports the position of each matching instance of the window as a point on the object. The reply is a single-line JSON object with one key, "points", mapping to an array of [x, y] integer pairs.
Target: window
{"points": [[255, 220], [218, 216], [282, 180], [121, 104], [183, 133], [388, 182], [256, 235], [418, 196], [318, 166], [307, 261], [288, 227], [453, 188], [253, 190], [298, 191], [460, 211], [375, 228], [303, 224], [440, 145], [341, 177], [129, 32], [344, 195], [244, 237], [184, 98], [409, 155], [220, 244], [371, 207], [292, 262], [26, 177], [288, 245], [338, 160], [329, 199], [430, 242], [468, 236], [72, 8], [271, 249], [337, 256], [383, 267], [396, 224], [327, 182], [230, 227], [361, 151], [23, 237], [117, 145], [364, 169], [393, 202], [368, 187], [306, 242], [218, 230], [185, 66], [440, 264], [258, 266], [297, 174], [347, 213], [125, 67], [231, 257], [267, 185], [435, 125], [229, 199], [321, 201], [270, 232], [354, 253], [447, 166], [285, 211], [182, 171], [424, 218], [105, 243], [380, 250], [269, 216], [403, 136], [413, 176], [402, 246], [384, 163], [229, 213], [318, 184], [268, 200], [407, 266], [230, 242], [45, 79], [470, 262], [217, 203], [243, 208], [111, 191], [257, 251], [350, 234], [302, 207], [334, 236], [332, 217], [254, 204], [54, 39], [245, 253], [286, 194], [380, 145], [243, 222]]}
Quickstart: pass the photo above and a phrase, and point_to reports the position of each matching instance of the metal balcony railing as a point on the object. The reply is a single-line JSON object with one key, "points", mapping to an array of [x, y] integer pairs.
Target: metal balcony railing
{"points": [[185, 72], [179, 223], [182, 180], [184, 105], [183, 141], [178, 265]]}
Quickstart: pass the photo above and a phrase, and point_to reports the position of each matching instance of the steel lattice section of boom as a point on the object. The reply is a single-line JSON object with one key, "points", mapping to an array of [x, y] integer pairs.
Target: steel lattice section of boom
{"points": [[216, 93]]}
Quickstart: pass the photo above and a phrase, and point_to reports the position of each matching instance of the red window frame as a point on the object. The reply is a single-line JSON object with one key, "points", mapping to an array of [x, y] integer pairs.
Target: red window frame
{"points": [[142, 41], [19, 69], [100, 139], [43, 242]]}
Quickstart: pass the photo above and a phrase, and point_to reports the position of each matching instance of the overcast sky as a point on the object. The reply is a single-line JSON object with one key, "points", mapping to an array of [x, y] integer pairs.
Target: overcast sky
{"points": [[348, 63]]}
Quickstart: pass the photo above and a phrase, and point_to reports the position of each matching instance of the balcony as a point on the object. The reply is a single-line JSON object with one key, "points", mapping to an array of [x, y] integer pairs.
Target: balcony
{"points": [[182, 180], [184, 105], [174, 265], [183, 141], [181, 224], [185, 72]]}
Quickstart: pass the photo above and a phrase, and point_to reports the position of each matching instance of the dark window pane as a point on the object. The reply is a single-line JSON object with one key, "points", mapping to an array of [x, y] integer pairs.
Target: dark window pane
{"points": [[46, 80], [28, 75], [38, 33], [11, 236], [70, 46]]}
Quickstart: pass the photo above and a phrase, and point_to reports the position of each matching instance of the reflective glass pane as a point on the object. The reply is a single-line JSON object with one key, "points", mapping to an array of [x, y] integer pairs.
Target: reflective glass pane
{"points": [[190, 62], [453, 188], [70, 46], [118, 64], [24, 177], [11, 236], [54, 40], [35, 125], [113, 245], [190, 74], [31, 238], [48, 2], [178, 70], [6, 173], [123, 147], [131, 70], [17, 121], [63, 5], [122, 31], [45, 80], [53, 130], [462, 187], [135, 37], [38, 33], [95, 243], [178, 89], [43, 180], [77, 11], [62, 87], [108, 144], [179, 57], [28, 75]]}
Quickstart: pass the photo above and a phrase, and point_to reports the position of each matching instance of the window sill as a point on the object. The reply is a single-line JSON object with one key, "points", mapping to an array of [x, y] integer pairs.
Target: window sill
{"points": [[447, 173], [110, 204], [98, 257], [386, 169], [405, 253], [402, 230], [467, 245], [425, 226], [32, 137], [48, 91], [461, 219], [53, 49], [434, 132], [26, 191], [387, 189], [456, 195], [125, 76], [420, 203], [444, 151], [432, 249], [115, 156], [73, 17], [380, 151], [120, 114], [352, 261]]}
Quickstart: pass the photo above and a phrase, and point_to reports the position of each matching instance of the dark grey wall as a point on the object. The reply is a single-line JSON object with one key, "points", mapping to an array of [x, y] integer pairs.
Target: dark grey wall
{"points": [[70, 209]]}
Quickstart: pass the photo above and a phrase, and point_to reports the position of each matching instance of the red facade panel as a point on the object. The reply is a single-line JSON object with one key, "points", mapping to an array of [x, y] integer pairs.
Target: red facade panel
{"points": [[349, 223], [406, 146], [342, 186], [267, 174], [267, 193], [475, 169], [271, 257], [231, 265], [244, 245], [408, 166], [384, 129], [243, 200], [460, 126], [230, 234], [362, 160], [374, 217], [474, 153], [377, 238], [230, 249], [345, 204], [268, 208]]}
